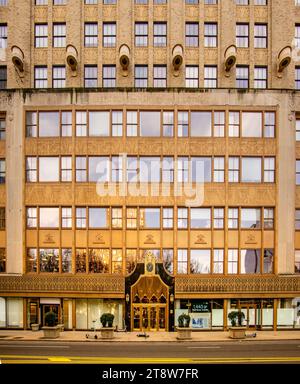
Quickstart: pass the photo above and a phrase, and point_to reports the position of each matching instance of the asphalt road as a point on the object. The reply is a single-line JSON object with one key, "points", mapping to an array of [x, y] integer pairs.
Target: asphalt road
{"points": [[147, 352]]}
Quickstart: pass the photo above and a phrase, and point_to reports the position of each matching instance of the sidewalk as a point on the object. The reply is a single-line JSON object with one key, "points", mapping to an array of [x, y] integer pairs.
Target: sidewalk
{"points": [[80, 336]]}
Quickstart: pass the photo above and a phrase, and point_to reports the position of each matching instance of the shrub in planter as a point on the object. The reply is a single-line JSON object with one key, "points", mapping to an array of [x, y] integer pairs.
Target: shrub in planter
{"points": [[184, 320], [236, 318], [50, 319], [103, 319], [107, 319]]}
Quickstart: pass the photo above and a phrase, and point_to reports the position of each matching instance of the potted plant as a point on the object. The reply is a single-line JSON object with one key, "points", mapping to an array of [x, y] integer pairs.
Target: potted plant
{"points": [[107, 330], [183, 329], [237, 331], [51, 330]]}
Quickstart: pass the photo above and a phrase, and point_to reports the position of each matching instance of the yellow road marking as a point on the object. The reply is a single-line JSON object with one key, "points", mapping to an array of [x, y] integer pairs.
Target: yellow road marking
{"points": [[58, 359]]}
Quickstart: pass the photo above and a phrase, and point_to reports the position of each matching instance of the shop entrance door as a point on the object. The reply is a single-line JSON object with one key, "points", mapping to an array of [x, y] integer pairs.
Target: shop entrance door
{"points": [[149, 317], [250, 311], [50, 307]]}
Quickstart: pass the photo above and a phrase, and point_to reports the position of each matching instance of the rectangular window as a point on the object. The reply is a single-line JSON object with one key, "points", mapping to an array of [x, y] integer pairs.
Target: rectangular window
{"points": [[109, 76], [131, 218], [218, 218], [81, 170], [251, 170], [159, 2], [192, 34], [31, 217], [117, 123], [297, 172], [2, 217], [268, 218], [218, 261], [149, 169], [251, 124], [66, 217], [159, 34], [297, 77], [201, 169], [182, 169], [99, 123], [183, 124], [242, 35], [182, 261], [109, 34], [270, 124], [41, 35], [168, 217], [31, 124], [141, 76], [41, 2], [159, 76], [168, 123], [210, 2], [297, 259], [250, 218], [200, 218], [182, 218], [116, 218], [132, 169], [80, 217], [233, 218], [297, 36], [261, 77], [3, 77], [31, 260], [242, 2], [59, 35], [219, 169], [269, 169], [219, 124], [210, 76], [99, 260], [192, 76], [99, 169], [260, 2], [250, 261], [66, 260], [232, 261], [260, 35], [210, 34], [233, 169], [149, 218], [242, 76], [49, 260], [149, 123], [268, 260], [59, 2], [40, 77], [2, 129], [48, 169], [141, 34], [31, 169], [200, 261], [168, 260], [49, 124], [201, 124], [131, 256], [168, 170], [66, 168], [66, 124], [3, 36], [234, 124], [90, 76], [91, 35], [80, 260], [116, 261], [131, 123], [297, 219], [59, 76], [81, 123], [109, 1], [116, 169], [98, 217], [191, 1], [49, 217]]}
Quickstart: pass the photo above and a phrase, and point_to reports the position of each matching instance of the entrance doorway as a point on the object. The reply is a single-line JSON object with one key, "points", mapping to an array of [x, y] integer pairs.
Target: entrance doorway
{"points": [[149, 317], [50, 308]]}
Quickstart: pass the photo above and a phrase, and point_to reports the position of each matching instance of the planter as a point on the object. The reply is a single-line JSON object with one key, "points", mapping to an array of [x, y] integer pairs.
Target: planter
{"points": [[237, 332], [184, 333], [61, 327], [35, 327], [107, 332], [51, 332]]}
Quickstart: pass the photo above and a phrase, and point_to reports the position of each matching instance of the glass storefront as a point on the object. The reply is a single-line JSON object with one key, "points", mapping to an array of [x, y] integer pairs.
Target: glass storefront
{"points": [[11, 312]]}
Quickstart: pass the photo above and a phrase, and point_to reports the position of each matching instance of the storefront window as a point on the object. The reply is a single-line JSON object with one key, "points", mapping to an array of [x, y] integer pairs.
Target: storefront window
{"points": [[285, 313], [2, 312], [14, 312], [267, 312]]}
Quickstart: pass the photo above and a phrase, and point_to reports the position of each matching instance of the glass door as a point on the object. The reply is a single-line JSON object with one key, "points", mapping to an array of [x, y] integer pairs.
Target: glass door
{"points": [[153, 318], [136, 319], [162, 318], [50, 308]]}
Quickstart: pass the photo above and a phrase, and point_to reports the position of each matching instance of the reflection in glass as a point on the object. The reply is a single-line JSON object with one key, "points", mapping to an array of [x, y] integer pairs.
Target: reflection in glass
{"points": [[99, 260], [80, 260], [49, 217], [98, 123], [251, 169], [149, 217], [49, 260], [98, 217], [117, 261], [251, 124], [31, 265], [168, 260], [2, 260], [49, 124], [131, 256], [250, 217], [200, 217], [149, 123], [201, 124], [268, 260], [200, 261], [48, 169], [66, 261], [250, 260], [181, 260]]}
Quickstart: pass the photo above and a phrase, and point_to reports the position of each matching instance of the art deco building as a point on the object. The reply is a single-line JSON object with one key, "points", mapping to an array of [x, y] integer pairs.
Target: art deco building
{"points": [[149, 162]]}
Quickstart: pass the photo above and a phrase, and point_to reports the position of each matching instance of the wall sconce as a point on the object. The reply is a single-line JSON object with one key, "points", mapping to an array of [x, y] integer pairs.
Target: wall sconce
{"points": [[171, 298], [127, 298]]}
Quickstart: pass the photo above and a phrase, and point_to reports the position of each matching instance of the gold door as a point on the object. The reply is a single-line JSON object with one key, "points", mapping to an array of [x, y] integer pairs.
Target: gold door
{"points": [[149, 317]]}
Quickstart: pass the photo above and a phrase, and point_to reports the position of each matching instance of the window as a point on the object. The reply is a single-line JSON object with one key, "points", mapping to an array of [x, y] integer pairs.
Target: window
{"points": [[250, 261], [66, 168], [98, 169], [41, 35], [149, 218], [117, 169], [242, 2], [297, 219], [182, 261], [251, 124], [200, 218], [2, 129], [191, 1], [48, 169], [297, 36], [168, 123], [268, 260], [66, 124], [242, 76], [66, 217], [192, 76], [98, 217], [182, 169], [81, 123], [251, 170], [297, 172], [109, 76], [90, 76], [260, 35], [48, 124], [3, 2], [269, 169], [242, 35], [131, 123], [31, 124], [41, 2], [116, 218], [260, 2], [219, 169], [192, 34], [2, 260], [159, 2], [168, 170], [159, 34], [233, 169], [218, 218], [59, 35], [201, 169], [200, 261], [90, 34], [49, 217], [250, 218], [297, 77], [80, 260], [3, 77], [131, 218], [117, 123], [218, 260], [210, 2], [109, 34], [149, 169], [270, 124], [80, 217], [130, 260], [234, 124], [183, 124], [210, 34], [90, 1], [31, 260], [31, 169], [182, 218], [210, 76], [141, 76], [132, 169], [168, 260], [66, 260], [149, 123], [141, 1], [40, 77], [99, 260], [116, 261], [141, 34], [59, 2], [59, 76], [167, 217], [268, 218], [3, 35], [232, 261], [159, 76], [201, 124], [233, 218], [109, 1], [297, 261], [260, 77], [31, 217], [98, 123]]}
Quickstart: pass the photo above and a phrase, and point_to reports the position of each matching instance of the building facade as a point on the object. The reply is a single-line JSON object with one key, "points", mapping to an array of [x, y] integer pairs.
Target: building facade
{"points": [[149, 162]]}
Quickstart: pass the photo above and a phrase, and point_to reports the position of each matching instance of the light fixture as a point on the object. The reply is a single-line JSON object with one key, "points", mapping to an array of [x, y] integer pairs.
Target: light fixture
{"points": [[127, 298], [171, 298]]}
